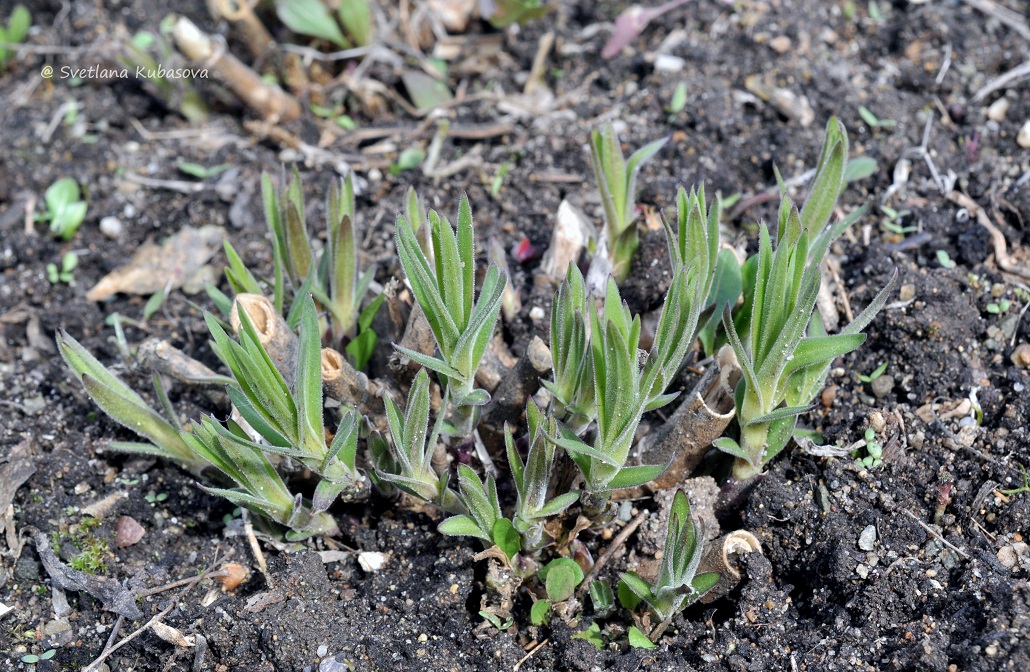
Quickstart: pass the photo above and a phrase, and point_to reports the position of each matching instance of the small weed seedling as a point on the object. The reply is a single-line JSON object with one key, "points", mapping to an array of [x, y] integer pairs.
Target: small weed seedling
{"points": [[17, 29], [876, 373], [873, 121], [66, 273], [617, 182], [944, 259], [65, 209]]}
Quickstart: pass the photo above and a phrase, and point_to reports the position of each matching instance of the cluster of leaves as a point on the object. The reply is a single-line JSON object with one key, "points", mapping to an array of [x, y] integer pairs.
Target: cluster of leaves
{"points": [[65, 209], [314, 18], [601, 386], [334, 280]]}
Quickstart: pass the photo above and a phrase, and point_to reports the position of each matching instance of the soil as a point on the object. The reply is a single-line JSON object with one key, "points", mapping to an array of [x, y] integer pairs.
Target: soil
{"points": [[924, 590]]}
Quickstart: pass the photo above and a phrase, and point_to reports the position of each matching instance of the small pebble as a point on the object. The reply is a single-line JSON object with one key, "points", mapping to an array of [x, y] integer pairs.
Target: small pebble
{"points": [[867, 540], [1021, 355], [907, 292], [371, 561], [882, 386], [322, 650], [876, 422], [862, 571], [1023, 137], [127, 531], [998, 109], [111, 227], [536, 313], [781, 44], [669, 63]]}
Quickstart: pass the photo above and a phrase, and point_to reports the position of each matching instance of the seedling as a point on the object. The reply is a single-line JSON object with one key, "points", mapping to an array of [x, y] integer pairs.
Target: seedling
{"points": [[874, 451], [678, 102], [944, 259], [498, 181], [65, 274], [788, 353], [202, 172], [31, 658], [617, 182], [678, 584], [893, 219], [877, 372], [409, 159], [1000, 307], [872, 120], [17, 29], [65, 208]]}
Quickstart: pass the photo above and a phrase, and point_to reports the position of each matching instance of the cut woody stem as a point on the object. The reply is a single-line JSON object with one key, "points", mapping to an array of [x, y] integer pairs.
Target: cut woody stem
{"points": [[274, 334], [267, 99]]}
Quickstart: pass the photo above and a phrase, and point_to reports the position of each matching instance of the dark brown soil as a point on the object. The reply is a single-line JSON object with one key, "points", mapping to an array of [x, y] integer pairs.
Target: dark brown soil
{"points": [[928, 594]]}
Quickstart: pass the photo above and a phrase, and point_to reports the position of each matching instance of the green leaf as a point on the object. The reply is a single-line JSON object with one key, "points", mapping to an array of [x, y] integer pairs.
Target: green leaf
{"points": [[61, 193], [538, 612], [859, 168], [592, 634], [560, 577], [633, 590], [431, 363], [557, 505], [356, 18], [728, 445], [308, 386], [463, 526], [601, 597], [426, 92], [815, 351], [632, 477], [704, 582], [362, 347], [152, 305], [18, 24], [311, 17], [828, 181], [506, 537], [638, 640]]}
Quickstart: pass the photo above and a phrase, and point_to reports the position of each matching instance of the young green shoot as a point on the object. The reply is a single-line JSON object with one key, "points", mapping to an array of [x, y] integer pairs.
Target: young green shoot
{"points": [[65, 209], [617, 183], [788, 354], [128, 409], [407, 465], [678, 584], [66, 273], [290, 424], [444, 290]]}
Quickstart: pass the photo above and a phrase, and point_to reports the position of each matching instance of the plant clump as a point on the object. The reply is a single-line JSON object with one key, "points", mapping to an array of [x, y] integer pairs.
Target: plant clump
{"points": [[575, 452]]}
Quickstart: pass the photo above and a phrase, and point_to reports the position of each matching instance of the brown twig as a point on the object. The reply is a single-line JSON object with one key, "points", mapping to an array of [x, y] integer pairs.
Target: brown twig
{"points": [[530, 654], [617, 543], [937, 534]]}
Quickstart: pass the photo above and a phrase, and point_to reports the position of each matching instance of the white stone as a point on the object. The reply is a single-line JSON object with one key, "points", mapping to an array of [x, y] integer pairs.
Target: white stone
{"points": [[111, 227], [1023, 138], [998, 109]]}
